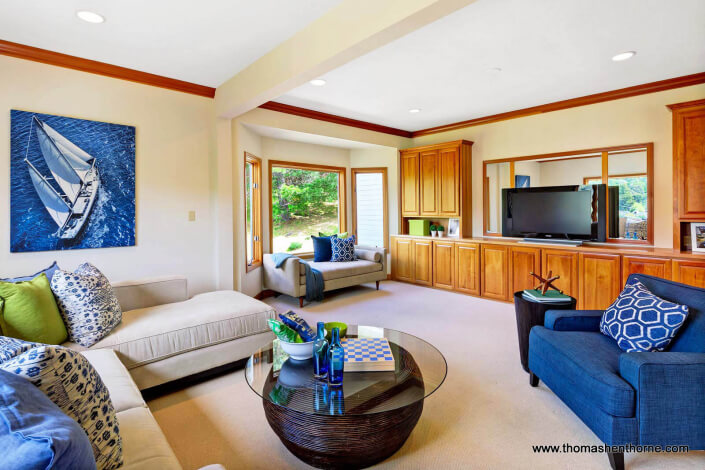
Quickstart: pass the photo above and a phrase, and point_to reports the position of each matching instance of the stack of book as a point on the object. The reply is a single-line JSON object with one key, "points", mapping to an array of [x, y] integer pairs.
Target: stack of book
{"points": [[550, 297]]}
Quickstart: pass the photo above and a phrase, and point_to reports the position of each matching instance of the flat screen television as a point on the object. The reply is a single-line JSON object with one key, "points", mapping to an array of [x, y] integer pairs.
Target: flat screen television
{"points": [[566, 212]]}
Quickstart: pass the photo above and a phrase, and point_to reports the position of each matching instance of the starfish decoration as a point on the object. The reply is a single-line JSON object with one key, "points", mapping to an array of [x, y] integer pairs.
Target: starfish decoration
{"points": [[546, 283]]}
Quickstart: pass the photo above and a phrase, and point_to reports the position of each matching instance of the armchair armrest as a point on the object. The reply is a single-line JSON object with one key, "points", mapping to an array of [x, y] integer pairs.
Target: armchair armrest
{"points": [[670, 400], [573, 320]]}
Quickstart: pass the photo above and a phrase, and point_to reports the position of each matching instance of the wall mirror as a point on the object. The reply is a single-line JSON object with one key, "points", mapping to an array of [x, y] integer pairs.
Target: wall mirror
{"points": [[627, 170]]}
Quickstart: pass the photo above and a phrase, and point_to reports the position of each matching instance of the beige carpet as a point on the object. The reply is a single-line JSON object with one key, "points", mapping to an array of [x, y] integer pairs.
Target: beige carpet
{"points": [[484, 416]]}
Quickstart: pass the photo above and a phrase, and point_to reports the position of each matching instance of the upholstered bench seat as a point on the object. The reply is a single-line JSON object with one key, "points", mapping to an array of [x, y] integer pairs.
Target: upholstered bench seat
{"points": [[337, 270]]}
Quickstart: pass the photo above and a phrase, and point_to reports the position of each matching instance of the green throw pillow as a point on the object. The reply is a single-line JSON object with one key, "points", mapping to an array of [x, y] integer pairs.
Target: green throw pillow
{"points": [[30, 312], [339, 235]]}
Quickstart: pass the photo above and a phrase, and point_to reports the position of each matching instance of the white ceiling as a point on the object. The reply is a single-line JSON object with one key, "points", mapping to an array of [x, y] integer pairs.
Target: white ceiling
{"points": [[296, 136], [548, 50], [204, 42]]}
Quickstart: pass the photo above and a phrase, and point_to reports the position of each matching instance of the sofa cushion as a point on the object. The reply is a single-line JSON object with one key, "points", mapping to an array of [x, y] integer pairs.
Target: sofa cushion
{"points": [[336, 270], [35, 433], [123, 391], [640, 321], [591, 361], [87, 304], [155, 333], [30, 312], [144, 445], [69, 380]]}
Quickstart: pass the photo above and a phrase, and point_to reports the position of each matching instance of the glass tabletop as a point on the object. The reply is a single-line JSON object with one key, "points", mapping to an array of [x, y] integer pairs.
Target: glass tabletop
{"points": [[419, 370]]}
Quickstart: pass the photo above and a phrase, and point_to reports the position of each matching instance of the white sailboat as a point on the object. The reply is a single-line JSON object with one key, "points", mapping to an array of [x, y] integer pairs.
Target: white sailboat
{"points": [[74, 172]]}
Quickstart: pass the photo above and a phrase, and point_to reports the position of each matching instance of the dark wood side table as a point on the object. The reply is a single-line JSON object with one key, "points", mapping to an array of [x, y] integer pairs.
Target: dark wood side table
{"points": [[529, 314]]}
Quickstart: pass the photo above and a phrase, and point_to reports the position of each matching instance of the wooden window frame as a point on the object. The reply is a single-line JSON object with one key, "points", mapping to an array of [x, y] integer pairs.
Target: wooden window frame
{"points": [[257, 249], [385, 216], [630, 175], [342, 194], [602, 153]]}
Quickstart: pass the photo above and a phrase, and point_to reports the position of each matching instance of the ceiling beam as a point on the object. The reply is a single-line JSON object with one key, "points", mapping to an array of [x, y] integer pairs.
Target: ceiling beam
{"points": [[347, 31]]}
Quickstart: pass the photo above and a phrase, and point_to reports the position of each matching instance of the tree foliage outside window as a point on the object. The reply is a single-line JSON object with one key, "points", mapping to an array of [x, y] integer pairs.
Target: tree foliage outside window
{"points": [[304, 203]]}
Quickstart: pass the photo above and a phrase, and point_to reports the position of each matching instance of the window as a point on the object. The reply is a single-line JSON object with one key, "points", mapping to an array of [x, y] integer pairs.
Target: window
{"points": [[253, 211], [369, 187], [305, 200]]}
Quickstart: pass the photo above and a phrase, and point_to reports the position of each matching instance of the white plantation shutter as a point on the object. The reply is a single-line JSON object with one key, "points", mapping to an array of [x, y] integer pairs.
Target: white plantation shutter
{"points": [[369, 194]]}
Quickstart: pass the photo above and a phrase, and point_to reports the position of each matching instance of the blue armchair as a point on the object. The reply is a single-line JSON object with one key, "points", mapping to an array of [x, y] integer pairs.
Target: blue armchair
{"points": [[645, 398]]}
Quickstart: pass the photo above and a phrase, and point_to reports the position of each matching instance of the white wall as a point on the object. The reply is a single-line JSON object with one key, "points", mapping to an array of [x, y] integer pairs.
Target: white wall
{"points": [[175, 162]]}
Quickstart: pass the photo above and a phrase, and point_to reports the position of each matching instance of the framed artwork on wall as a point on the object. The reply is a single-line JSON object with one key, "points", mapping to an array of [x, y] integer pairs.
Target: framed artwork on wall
{"points": [[72, 183], [697, 235], [522, 181]]}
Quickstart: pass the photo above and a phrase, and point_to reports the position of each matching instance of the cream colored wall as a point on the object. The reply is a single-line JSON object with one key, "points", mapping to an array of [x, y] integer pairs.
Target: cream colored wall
{"points": [[175, 158], [639, 119]]}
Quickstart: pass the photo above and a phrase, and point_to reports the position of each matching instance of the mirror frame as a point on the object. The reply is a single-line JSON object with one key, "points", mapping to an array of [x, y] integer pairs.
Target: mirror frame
{"points": [[604, 153]]}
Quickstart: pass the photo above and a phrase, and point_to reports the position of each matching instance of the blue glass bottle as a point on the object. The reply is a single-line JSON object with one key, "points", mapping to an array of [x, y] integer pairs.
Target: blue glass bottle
{"points": [[320, 353], [336, 360]]}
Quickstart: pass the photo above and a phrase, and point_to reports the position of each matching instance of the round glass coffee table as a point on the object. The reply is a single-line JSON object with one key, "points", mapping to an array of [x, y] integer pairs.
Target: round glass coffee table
{"points": [[356, 425]]}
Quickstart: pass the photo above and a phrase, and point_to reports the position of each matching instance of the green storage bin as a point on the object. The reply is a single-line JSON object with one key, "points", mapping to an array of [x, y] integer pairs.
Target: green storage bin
{"points": [[419, 227]]}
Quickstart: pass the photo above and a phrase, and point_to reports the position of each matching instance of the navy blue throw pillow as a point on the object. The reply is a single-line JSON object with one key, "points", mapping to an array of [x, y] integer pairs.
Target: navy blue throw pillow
{"points": [[640, 321], [322, 249], [50, 271]]}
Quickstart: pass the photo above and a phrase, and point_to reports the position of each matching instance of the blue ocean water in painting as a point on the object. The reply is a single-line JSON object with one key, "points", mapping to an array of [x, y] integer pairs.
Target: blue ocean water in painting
{"points": [[111, 222]]}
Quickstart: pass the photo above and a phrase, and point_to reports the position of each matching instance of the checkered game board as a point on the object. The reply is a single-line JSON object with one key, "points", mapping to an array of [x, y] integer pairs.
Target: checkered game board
{"points": [[368, 350]]}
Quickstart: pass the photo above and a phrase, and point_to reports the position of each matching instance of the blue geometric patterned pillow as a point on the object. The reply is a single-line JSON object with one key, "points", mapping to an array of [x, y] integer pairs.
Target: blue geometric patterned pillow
{"points": [[11, 347], [87, 304], [640, 321], [71, 382], [343, 249]]}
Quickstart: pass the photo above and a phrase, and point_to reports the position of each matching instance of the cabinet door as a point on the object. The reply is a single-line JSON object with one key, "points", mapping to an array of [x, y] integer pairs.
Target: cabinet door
{"points": [[659, 267], [402, 259], [423, 262], [689, 161], [691, 272], [428, 183], [409, 183], [495, 283], [600, 280], [562, 263], [467, 268], [449, 182], [443, 265], [522, 261]]}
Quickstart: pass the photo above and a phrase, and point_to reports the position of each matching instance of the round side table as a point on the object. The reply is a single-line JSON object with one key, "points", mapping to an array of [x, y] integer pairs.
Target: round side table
{"points": [[529, 314]]}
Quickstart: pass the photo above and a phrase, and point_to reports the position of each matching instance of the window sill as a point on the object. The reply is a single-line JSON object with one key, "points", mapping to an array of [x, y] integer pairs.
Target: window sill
{"points": [[253, 266]]}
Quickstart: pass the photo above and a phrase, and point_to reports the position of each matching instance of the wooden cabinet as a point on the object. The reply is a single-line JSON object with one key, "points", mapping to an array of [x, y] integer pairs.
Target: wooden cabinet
{"points": [[423, 262], [428, 182], [494, 283], [449, 182], [659, 267], [409, 168], [402, 259], [467, 268], [600, 280], [690, 272], [522, 261], [443, 265], [562, 263]]}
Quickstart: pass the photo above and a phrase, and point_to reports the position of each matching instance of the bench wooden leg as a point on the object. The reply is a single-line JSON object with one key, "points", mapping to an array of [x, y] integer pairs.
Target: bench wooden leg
{"points": [[616, 460], [533, 379], [301, 302], [377, 283]]}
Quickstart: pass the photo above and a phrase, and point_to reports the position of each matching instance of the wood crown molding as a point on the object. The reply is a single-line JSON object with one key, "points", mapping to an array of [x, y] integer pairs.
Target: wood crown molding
{"points": [[686, 104], [311, 114], [45, 56]]}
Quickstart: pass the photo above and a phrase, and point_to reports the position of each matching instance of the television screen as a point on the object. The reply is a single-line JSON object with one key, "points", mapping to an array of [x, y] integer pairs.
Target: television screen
{"points": [[552, 212]]}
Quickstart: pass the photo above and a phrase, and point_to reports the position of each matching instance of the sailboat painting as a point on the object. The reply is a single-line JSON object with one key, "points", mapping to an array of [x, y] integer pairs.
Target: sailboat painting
{"points": [[72, 183]]}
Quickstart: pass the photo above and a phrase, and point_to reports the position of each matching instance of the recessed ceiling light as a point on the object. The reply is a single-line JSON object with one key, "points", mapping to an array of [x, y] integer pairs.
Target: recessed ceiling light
{"points": [[90, 16], [624, 56], [317, 82], [414, 110]]}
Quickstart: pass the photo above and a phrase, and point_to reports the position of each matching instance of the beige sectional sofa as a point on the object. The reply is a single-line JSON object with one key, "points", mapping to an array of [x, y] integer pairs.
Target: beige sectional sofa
{"points": [[165, 336], [290, 278]]}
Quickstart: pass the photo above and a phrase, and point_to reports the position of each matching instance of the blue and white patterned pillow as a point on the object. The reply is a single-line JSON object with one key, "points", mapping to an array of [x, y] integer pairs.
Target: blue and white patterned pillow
{"points": [[11, 347], [343, 249], [71, 382], [87, 304], [640, 321]]}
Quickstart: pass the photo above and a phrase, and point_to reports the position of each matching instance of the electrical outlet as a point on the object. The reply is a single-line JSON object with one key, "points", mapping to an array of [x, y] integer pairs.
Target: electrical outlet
{"points": [[191, 216]]}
